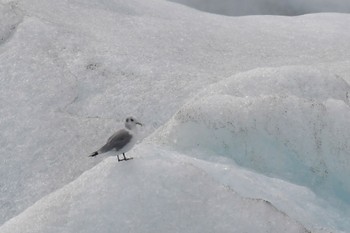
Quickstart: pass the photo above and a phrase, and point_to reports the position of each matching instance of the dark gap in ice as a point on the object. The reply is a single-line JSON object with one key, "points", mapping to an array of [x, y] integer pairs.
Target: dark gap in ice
{"points": [[267, 7]]}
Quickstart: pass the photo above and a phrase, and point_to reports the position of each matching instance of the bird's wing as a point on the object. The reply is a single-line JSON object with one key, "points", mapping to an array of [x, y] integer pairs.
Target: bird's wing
{"points": [[111, 137], [117, 141]]}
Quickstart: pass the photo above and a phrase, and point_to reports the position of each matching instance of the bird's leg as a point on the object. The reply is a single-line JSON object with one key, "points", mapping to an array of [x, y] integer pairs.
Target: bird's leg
{"points": [[119, 158], [125, 158]]}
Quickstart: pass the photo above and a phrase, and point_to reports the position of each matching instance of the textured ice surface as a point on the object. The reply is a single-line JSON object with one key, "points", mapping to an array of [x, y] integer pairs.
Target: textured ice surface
{"points": [[162, 190], [288, 122], [149, 195], [10, 17], [72, 70]]}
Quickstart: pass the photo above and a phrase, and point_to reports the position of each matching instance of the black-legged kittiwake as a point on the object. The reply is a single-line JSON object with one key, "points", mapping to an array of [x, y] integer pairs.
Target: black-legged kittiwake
{"points": [[121, 141]]}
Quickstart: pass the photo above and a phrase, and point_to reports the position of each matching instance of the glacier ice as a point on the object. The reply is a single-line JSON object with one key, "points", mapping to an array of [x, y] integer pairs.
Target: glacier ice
{"points": [[149, 195], [285, 122], [72, 70], [10, 17]]}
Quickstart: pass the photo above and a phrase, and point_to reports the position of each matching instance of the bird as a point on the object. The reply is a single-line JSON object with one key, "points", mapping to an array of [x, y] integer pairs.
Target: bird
{"points": [[121, 141]]}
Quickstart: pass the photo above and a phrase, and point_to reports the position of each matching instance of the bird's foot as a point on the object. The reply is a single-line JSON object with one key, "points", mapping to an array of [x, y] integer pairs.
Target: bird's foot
{"points": [[125, 159]]}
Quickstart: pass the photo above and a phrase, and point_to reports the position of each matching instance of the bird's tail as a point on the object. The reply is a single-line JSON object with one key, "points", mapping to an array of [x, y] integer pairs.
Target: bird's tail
{"points": [[93, 154]]}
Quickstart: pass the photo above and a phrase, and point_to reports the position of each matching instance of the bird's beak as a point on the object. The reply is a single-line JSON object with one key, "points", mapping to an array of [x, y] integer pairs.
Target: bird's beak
{"points": [[138, 123]]}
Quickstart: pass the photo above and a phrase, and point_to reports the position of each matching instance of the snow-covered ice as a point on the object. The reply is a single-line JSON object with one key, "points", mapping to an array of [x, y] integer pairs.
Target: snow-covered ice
{"points": [[299, 133], [276, 121], [240, 113], [149, 196]]}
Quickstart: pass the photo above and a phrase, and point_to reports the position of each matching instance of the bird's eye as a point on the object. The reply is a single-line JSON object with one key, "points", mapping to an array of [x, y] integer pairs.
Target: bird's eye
{"points": [[132, 119]]}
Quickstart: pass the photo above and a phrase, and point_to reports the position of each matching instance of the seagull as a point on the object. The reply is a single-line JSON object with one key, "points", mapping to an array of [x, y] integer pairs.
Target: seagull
{"points": [[121, 141]]}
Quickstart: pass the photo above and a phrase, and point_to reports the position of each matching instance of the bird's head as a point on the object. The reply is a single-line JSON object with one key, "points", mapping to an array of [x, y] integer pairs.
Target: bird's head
{"points": [[131, 122]]}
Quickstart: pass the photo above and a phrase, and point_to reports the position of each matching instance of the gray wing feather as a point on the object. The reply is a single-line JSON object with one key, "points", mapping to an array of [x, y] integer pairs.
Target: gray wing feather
{"points": [[117, 141]]}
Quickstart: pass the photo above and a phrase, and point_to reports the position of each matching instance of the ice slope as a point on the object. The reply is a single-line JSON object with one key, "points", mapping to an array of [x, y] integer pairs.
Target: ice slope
{"points": [[287, 122], [72, 70], [165, 191], [267, 7], [153, 193], [9, 19]]}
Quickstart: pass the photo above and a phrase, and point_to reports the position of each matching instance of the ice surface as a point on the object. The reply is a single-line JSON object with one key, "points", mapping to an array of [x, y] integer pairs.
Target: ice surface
{"points": [[283, 122], [288, 122], [296, 201], [72, 70], [151, 194], [162, 190], [10, 17]]}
